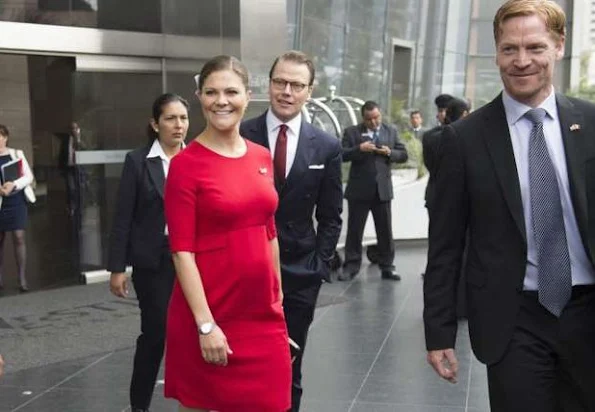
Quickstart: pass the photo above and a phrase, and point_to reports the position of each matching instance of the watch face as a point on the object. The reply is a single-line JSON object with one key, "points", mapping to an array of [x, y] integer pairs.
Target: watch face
{"points": [[206, 328]]}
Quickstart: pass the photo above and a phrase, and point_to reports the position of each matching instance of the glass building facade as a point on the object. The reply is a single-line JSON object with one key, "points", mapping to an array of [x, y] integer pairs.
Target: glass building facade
{"points": [[405, 51], [100, 64]]}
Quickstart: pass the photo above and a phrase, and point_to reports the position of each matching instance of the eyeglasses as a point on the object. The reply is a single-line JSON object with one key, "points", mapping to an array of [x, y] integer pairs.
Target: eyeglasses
{"points": [[281, 84]]}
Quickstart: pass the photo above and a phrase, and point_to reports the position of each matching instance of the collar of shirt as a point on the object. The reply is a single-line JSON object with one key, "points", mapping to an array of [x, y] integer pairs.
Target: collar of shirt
{"points": [[516, 110], [157, 151], [273, 124]]}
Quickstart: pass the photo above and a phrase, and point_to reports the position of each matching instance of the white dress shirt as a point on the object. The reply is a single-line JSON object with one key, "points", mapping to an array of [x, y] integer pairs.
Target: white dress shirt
{"points": [[520, 130], [293, 133], [157, 151]]}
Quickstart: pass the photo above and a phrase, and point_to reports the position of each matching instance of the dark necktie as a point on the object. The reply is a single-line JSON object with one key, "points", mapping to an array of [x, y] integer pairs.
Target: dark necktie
{"points": [[280, 158], [553, 261]]}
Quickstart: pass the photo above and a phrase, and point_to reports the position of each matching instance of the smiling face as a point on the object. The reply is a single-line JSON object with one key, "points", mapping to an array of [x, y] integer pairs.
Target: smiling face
{"points": [[287, 99], [224, 99], [172, 124], [526, 55]]}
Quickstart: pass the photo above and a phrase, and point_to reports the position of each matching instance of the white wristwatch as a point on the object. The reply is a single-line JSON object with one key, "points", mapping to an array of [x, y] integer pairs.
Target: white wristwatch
{"points": [[206, 328]]}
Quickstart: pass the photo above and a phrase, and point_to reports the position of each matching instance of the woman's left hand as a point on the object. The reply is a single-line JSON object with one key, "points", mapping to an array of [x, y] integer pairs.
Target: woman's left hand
{"points": [[8, 187]]}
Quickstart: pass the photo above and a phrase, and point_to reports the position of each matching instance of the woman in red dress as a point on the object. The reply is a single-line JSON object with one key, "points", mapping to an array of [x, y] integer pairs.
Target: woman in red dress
{"points": [[226, 346]]}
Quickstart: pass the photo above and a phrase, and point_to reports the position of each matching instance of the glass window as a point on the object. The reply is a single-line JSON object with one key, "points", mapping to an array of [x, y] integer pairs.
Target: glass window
{"points": [[113, 108], [191, 17], [129, 15]]}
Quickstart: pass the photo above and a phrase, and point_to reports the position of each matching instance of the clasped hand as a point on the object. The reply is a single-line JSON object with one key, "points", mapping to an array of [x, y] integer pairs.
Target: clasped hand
{"points": [[370, 147], [214, 347]]}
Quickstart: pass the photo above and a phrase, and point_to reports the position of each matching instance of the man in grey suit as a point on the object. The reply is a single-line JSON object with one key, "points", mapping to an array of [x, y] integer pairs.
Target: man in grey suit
{"points": [[517, 176], [371, 147]]}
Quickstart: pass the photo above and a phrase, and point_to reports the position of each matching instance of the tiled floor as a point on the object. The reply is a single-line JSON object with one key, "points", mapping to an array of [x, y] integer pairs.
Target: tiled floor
{"points": [[71, 349]]}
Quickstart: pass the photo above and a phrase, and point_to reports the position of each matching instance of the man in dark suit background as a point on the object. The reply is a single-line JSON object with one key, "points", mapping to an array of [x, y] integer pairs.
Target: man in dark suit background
{"points": [[371, 147], [517, 174], [307, 164], [416, 126]]}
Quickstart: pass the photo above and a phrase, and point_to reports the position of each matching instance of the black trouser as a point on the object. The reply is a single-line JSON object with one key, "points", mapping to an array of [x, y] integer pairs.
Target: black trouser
{"points": [[356, 222], [153, 290], [299, 302], [549, 365]]}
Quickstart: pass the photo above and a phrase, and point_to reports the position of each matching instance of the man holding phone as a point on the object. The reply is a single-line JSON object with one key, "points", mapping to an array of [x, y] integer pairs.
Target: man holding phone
{"points": [[371, 147]]}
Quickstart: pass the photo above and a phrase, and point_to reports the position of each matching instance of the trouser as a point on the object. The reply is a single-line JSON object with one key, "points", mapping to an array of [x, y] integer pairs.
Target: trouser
{"points": [[153, 289], [356, 221], [549, 364], [299, 303]]}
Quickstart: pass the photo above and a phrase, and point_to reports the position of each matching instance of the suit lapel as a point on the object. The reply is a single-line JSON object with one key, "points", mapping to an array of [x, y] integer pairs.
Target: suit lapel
{"points": [[497, 137], [155, 168], [576, 147], [260, 132]]}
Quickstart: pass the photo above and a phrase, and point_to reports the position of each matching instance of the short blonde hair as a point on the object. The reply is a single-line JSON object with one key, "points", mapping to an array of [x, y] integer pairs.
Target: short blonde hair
{"points": [[552, 14]]}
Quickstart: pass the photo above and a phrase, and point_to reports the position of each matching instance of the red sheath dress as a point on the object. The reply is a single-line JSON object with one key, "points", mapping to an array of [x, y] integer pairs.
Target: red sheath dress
{"points": [[222, 209]]}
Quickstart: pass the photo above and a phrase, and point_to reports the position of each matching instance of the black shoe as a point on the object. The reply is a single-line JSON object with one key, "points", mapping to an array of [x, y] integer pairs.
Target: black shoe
{"points": [[346, 276], [390, 274], [23, 289]]}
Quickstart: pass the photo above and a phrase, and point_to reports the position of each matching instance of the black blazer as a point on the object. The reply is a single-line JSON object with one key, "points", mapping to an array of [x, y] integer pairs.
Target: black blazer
{"points": [[137, 236], [313, 187], [368, 170], [477, 188], [431, 149]]}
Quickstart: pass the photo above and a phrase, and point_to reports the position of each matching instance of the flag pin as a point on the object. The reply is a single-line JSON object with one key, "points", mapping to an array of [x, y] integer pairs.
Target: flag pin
{"points": [[262, 170], [574, 127]]}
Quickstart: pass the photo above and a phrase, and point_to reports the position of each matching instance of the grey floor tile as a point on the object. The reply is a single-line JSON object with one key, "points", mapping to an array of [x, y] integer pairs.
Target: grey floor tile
{"points": [[11, 397], [337, 363], [331, 387], [396, 407], [62, 400], [415, 392], [324, 406]]}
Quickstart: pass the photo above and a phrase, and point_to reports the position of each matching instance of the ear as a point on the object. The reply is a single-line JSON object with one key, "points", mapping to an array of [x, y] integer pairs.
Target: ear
{"points": [[154, 125], [310, 90], [560, 47]]}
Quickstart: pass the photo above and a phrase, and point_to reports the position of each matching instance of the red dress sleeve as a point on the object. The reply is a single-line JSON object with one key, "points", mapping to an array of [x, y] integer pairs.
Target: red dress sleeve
{"points": [[180, 206]]}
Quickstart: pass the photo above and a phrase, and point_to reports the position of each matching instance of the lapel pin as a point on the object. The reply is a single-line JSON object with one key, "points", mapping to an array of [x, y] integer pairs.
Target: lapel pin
{"points": [[574, 127], [262, 170]]}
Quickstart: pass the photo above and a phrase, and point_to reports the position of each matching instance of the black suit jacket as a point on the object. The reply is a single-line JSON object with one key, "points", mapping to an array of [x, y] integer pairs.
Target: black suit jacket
{"points": [[137, 236], [368, 170], [313, 187], [431, 149], [477, 187]]}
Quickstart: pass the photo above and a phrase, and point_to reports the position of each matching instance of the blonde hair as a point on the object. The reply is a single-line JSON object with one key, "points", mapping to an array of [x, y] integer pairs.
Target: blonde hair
{"points": [[552, 14]]}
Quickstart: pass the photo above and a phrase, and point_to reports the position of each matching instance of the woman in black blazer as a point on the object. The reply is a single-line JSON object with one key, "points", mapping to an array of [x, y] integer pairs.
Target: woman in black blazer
{"points": [[139, 238]]}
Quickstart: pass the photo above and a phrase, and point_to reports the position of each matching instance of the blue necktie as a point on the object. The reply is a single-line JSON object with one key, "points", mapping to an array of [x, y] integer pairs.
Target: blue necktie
{"points": [[553, 261], [375, 137]]}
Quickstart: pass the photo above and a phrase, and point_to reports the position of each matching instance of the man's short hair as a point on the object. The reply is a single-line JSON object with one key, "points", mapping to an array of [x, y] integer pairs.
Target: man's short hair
{"points": [[297, 57], [441, 101], [368, 106], [414, 111], [551, 13]]}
